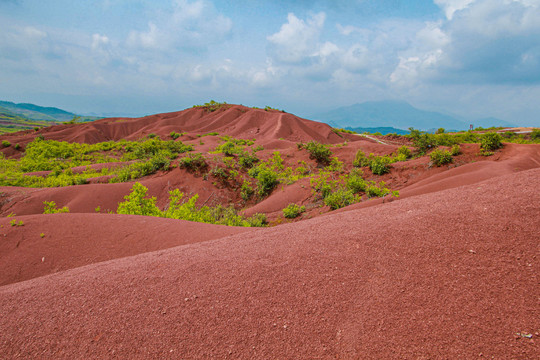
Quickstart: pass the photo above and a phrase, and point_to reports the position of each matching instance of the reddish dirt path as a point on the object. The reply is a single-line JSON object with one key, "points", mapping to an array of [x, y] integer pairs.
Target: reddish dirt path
{"points": [[450, 274]]}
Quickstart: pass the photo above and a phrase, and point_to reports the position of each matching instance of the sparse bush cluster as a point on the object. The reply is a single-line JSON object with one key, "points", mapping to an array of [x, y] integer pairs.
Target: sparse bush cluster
{"points": [[138, 203], [317, 151], [50, 208], [490, 141], [293, 211], [212, 106], [142, 158], [440, 157], [193, 162], [344, 191]]}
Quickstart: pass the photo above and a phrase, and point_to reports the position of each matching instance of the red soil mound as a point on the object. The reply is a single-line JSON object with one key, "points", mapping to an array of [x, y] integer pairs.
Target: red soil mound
{"points": [[451, 274], [233, 120], [417, 180], [73, 240]]}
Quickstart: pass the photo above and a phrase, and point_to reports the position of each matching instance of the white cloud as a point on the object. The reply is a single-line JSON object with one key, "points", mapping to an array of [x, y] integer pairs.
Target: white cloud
{"points": [[33, 33], [490, 42], [347, 30], [194, 24], [98, 41], [451, 6], [297, 39]]}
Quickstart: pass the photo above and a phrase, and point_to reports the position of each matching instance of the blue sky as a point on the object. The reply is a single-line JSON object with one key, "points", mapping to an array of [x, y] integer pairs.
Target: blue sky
{"points": [[473, 58]]}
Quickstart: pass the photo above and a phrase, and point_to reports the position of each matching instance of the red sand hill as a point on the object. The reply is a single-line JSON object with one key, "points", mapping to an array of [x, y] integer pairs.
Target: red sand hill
{"points": [[447, 270], [451, 274], [233, 120]]}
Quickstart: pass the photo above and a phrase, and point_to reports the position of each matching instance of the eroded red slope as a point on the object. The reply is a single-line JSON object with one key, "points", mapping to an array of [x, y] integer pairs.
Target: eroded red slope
{"points": [[234, 120], [46, 244], [450, 274]]}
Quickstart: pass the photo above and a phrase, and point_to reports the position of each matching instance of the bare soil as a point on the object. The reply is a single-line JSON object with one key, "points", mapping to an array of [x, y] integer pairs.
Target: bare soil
{"points": [[447, 270]]}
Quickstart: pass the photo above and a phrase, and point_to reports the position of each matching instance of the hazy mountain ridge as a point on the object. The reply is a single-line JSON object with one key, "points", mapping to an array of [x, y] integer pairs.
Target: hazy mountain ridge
{"points": [[40, 113], [397, 114]]}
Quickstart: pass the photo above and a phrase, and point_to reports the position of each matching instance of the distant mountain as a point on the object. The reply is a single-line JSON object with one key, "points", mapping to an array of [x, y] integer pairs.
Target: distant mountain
{"points": [[491, 121], [41, 113], [15, 117], [383, 130], [397, 114]]}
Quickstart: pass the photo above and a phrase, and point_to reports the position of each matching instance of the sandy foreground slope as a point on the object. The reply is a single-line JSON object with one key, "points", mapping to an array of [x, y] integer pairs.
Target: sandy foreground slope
{"points": [[447, 274]]}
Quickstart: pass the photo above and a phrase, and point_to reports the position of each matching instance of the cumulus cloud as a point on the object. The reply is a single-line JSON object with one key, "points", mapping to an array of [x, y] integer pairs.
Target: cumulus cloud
{"points": [[492, 41], [451, 6], [297, 39], [194, 24]]}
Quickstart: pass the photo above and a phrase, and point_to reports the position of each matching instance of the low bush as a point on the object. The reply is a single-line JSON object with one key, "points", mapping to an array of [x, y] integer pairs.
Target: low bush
{"points": [[341, 198], [266, 181], [535, 134], [246, 191], [356, 183], [455, 150], [422, 141], [138, 203], [404, 151], [50, 208], [247, 160], [440, 157], [293, 211], [320, 152], [380, 165], [490, 141], [6, 143], [360, 159], [193, 162]]}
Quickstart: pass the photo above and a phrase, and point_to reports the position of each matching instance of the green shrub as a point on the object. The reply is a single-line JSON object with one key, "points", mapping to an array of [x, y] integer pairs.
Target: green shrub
{"points": [[376, 191], [340, 198], [380, 165], [218, 172], [360, 159], [213, 215], [444, 139], [50, 208], [246, 160], [137, 203], [455, 150], [228, 148], [174, 135], [404, 151], [193, 162], [17, 147], [266, 181], [246, 191], [490, 141], [356, 183], [212, 106], [323, 184], [6, 143], [422, 141], [440, 157], [292, 211], [535, 134], [320, 152]]}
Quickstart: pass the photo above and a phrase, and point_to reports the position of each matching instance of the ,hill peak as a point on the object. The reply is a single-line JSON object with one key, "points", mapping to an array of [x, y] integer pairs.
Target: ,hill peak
{"points": [[388, 113], [232, 120]]}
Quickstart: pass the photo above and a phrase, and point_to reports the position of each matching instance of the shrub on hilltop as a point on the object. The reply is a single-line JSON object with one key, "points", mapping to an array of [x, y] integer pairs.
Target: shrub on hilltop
{"points": [[491, 141]]}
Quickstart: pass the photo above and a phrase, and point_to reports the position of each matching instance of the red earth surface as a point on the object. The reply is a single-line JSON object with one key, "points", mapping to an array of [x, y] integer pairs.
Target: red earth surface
{"points": [[447, 270]]}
